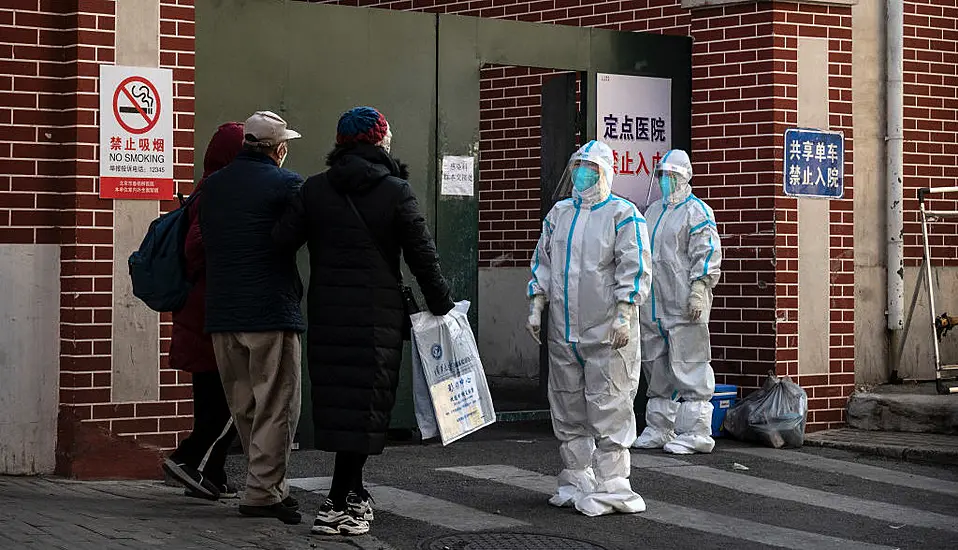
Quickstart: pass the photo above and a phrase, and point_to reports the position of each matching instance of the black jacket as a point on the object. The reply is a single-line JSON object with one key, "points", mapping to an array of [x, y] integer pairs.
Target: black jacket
{"points": [[356, 313], [251, 286]]}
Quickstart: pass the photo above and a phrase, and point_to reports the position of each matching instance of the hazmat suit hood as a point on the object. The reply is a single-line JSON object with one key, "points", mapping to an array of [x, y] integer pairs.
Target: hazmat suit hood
{"points": [[673, 176], [588, 176]]}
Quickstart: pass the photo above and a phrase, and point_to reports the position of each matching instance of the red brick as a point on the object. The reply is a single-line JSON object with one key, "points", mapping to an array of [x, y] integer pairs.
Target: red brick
{"points": [[156, 409], [84, 396], [124, 410], [176, 424], [162, 441], [132, 426]]}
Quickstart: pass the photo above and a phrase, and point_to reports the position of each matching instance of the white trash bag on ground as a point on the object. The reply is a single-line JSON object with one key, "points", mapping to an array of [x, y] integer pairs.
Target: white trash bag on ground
{"points": [[450, 393]]}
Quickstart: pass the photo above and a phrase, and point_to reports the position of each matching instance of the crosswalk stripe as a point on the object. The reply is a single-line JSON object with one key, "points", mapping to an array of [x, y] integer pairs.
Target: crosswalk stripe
{"points": [[421, 507], [688, 518], [882, 511], [863, 471]]}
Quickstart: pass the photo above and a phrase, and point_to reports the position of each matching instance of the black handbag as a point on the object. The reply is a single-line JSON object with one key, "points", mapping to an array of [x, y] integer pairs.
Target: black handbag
{"points": [[410, 305]]}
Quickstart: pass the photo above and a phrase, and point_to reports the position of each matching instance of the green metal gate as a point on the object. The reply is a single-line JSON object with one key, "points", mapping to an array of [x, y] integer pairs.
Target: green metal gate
{"points": [[311, 62]]}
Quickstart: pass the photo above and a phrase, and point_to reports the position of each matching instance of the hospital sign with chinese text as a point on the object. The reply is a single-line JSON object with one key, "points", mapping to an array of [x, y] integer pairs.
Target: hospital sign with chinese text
{"points": [[814, 163], [635, 120]]}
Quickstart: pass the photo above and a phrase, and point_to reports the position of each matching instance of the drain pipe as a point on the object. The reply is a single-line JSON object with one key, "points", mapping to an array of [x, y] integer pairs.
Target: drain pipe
{"points": [[894, 152]]}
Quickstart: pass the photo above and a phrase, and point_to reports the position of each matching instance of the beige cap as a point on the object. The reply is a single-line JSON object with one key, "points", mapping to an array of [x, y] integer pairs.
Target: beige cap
{"points": [[267, 128]]}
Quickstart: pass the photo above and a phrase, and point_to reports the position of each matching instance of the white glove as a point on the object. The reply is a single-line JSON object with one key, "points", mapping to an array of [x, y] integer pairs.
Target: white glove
{"points": [[621, 325], [697, 299], [534, 324]]}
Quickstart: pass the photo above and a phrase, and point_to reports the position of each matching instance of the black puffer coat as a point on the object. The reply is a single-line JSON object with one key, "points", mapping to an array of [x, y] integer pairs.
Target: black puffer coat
{"points": [[355, 306]]}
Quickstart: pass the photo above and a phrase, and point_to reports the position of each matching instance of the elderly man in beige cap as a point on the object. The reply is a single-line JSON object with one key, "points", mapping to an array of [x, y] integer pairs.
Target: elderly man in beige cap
{"points": [[252, 308]]}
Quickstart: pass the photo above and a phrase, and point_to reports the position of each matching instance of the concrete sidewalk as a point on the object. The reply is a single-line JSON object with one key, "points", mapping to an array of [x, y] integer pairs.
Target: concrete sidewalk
{"points": [[916, 447], [53, 513]]}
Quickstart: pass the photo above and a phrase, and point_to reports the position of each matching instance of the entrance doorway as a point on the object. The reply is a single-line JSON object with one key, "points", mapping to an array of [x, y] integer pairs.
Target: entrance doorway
{"points": [[424, 72]]}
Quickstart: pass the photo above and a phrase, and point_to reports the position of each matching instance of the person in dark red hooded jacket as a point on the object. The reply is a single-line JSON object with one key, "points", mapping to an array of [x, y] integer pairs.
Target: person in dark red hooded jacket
{"points": [[198, 463]]}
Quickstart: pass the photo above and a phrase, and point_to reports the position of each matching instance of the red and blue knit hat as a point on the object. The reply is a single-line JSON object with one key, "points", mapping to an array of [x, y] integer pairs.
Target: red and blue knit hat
{"points": [[361, 125]]}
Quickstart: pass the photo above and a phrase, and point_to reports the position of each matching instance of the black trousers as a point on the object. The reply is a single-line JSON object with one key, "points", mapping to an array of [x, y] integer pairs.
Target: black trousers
{"points": [[213, 429], [347, 477]]}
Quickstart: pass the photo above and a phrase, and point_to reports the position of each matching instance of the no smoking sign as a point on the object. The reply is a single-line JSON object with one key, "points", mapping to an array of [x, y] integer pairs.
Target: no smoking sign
{"points": [[136, 105], [136, 133]]}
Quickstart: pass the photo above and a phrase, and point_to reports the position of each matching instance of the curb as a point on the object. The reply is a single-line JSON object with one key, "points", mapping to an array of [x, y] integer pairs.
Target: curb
{"points": [[909, 454]]}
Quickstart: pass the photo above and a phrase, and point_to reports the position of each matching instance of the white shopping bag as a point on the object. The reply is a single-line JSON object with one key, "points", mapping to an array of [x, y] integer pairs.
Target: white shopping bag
{"points": [[450, 392]]}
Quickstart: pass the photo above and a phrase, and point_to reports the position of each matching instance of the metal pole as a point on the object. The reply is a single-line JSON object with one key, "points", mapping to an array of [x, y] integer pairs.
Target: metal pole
{"points": [[929, 282], [894, 152]]}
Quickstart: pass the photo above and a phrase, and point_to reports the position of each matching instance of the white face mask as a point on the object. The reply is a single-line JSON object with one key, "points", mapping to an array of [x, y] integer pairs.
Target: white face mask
{"points": [[387, 141], [282, 158]]}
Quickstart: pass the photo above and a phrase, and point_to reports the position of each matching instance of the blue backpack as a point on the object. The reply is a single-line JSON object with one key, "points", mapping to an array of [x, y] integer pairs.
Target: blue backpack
{"points": [[158, 267]]}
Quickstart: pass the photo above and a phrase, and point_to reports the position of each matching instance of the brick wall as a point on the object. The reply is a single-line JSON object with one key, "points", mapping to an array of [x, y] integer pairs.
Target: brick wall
{"points": [[35, 144], [50, 51], [827, 392], [177, 52], [87, 253], [931, 122], [733, 129], [509, 164]]}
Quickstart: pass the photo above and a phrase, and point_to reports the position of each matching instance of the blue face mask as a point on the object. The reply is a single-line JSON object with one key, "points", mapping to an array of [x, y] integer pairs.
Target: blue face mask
{"points": [[584, 177]]}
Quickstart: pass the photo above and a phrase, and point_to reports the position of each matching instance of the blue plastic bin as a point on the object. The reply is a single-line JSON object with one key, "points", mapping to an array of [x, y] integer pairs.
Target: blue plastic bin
{"points": [[722, 400]]}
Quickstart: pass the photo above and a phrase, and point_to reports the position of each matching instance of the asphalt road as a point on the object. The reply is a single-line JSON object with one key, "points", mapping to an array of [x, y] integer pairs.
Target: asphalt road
{"points": [[496, 482]]}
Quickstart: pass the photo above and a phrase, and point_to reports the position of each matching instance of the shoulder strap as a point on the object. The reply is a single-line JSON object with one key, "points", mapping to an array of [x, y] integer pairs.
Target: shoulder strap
{"points": [[362, 221]]}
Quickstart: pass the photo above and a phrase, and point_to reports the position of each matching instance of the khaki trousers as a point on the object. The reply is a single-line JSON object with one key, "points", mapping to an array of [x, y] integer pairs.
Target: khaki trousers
{"points": [[261, 375]]}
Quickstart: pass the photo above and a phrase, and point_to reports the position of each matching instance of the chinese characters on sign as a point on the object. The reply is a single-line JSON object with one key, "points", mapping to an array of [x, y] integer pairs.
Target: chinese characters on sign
{"points": [[136, 133], [814, 163], [635, 119], [458, 176], [457, 404]]}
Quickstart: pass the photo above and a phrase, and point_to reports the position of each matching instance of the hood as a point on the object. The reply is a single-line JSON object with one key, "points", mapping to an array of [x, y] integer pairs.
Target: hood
{"points": [[358, 167], [677, 162], [601, 157], [225, 144]]}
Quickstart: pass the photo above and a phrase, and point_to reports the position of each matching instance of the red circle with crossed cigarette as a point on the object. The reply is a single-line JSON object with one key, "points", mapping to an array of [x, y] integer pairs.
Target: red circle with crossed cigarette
{"points": [[137, 99]]}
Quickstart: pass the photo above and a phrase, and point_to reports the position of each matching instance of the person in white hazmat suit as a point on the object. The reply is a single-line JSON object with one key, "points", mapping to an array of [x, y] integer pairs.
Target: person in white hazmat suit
{"points": [[676, 352], [591, 266]]}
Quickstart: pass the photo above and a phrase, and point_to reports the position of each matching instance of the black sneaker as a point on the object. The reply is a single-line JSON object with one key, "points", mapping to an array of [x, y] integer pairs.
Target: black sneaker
{"points": [[191, 478], [227, 491], [338, 522], [360, 505], [277, 510], [291, 503]]}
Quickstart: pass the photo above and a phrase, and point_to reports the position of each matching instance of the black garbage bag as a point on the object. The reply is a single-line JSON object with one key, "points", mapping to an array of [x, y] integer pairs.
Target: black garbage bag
{"points": [[774, 415]]}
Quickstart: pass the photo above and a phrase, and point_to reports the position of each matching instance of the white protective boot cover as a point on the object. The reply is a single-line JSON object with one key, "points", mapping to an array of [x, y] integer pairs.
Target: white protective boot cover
{"points": [[613, 492], [694, 428], [614, 495], [659, 419], [577, 478], [572, 486]]}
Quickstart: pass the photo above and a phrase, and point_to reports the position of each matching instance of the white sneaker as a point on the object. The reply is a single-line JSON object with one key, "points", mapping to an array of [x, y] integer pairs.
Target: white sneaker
{"points": [[337, 522], [360, 505]]}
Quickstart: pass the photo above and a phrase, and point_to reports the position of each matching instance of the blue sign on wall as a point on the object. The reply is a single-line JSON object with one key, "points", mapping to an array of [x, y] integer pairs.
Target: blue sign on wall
{"points": [[814, 163]]}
